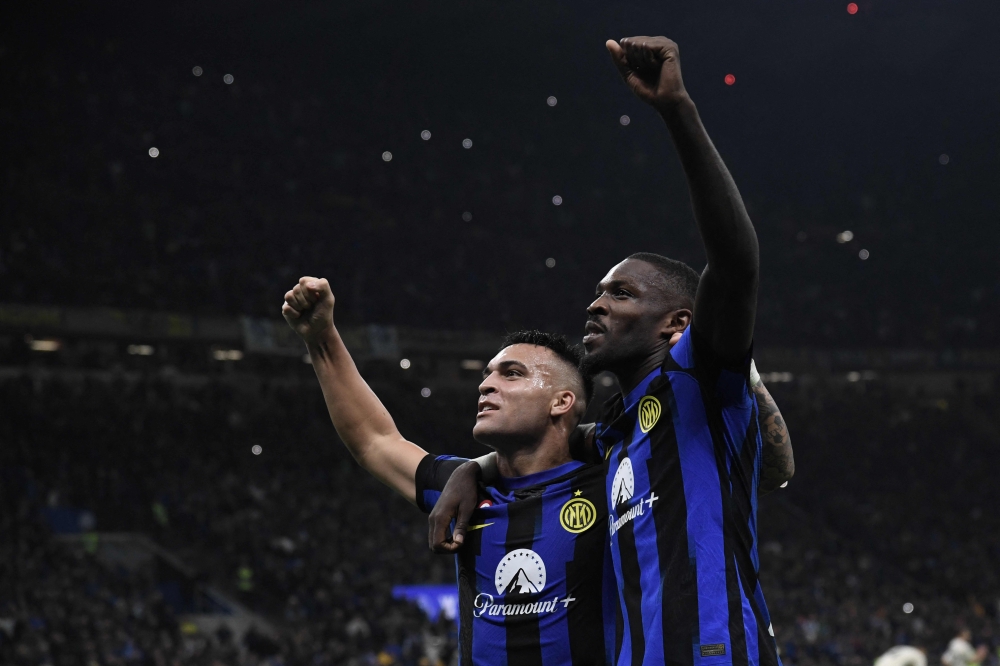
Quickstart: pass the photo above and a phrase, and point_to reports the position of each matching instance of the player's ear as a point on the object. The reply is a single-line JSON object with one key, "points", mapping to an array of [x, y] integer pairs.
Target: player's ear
{"points": [[562, 403], [674, 322]]}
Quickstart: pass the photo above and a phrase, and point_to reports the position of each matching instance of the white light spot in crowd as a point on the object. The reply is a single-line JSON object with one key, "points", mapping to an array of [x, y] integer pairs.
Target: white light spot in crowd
{"points": [[784, 485], [387, 156], [907, 608], [256, 449], [845, 236], [557, 200], [197, 71], [426, 392], [853, 376], [624, 120], [466, 143], [472, 364], [140, 350], [550, 262], [154, 152], [227, 354], [944, 159], [864, 254], [551, 101], [467, 216], [425, 135], [404, 363], [228, 78]]}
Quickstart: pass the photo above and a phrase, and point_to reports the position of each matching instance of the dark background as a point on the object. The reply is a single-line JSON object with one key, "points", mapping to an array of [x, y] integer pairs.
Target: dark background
{"points": [[883, 123], [836, 122]]}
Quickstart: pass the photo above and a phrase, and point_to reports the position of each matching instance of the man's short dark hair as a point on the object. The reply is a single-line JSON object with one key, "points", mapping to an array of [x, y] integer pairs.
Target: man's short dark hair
{"points": [[679, 278], [560, 346]]}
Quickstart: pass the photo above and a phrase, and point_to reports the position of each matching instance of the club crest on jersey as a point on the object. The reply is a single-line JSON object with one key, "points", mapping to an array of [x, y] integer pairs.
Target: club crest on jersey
{"points": [[577, 515], [649, 413], [623, 485], [521, 571]]}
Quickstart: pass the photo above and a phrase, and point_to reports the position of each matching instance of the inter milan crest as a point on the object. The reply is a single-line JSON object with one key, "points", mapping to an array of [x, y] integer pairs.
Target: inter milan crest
{"points": [[649, 413], [577, 515]]}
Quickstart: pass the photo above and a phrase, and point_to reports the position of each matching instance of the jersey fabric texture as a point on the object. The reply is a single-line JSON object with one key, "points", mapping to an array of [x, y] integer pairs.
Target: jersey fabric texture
{"points": [[534, 572], [683, 463]]}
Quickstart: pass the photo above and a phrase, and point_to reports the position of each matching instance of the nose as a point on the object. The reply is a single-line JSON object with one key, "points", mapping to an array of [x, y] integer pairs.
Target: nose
{"points": [[598, 307], [487, 386]]}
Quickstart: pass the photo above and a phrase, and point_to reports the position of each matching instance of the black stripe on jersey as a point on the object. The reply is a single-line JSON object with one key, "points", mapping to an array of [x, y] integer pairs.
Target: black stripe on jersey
{"points": [[737, 633], [524, 641], [629, 557], [467, 582], [587, 612], [677, 569]]}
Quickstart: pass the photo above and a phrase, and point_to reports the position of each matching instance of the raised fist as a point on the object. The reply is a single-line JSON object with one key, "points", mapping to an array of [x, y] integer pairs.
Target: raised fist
{"points": [[308, 307], [651, 67]]}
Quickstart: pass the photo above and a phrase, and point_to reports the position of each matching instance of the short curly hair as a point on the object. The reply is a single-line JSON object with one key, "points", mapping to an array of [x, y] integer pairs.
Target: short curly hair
{"points": [[560, 346]]}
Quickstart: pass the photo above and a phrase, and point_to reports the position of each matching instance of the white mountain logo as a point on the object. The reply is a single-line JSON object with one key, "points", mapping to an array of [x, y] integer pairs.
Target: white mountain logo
{"points": [[521, 571], [623, 485]]}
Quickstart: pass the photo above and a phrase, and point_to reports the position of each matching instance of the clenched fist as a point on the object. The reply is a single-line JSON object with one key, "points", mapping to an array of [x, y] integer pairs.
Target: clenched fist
{"points": [[308, 308], [651, 68]]}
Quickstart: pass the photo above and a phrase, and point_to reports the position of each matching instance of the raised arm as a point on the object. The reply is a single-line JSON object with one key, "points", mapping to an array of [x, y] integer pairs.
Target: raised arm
{"points": [[361, 420], [727, 296]]}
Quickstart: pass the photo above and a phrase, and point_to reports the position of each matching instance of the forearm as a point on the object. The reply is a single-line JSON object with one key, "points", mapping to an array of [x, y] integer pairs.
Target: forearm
{"points": [[361, 421], [777, 459], [726, 231]]}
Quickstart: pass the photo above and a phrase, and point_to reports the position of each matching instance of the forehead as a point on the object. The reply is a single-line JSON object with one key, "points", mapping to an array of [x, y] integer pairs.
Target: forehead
{"points": [[530, 356], [632, 271]]}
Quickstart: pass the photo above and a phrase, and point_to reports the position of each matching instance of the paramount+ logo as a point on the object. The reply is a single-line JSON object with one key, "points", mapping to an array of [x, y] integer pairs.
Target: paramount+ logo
{"points": [[649, 413], [577, 515]]}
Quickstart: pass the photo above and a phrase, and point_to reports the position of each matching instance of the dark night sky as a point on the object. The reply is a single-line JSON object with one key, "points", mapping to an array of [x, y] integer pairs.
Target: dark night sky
{"points": [[835, 122]]}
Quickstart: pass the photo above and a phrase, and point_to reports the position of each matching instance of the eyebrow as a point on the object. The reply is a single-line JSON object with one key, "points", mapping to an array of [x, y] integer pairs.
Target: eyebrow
{"points": [[503, 365], [610, 284]]}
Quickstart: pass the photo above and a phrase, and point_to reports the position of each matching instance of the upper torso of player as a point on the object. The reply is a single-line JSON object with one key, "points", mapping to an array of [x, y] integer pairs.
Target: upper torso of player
{"points": [[683, 463], [531, 573]]}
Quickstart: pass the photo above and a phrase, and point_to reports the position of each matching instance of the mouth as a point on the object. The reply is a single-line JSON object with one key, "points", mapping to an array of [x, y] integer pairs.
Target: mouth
{"points": [[593, 332], [486, 408]]}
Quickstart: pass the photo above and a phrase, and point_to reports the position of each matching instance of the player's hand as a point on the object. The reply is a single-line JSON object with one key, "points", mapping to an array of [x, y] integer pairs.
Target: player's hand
{"points": [[651, 68], [308, 308], [458, 500]]}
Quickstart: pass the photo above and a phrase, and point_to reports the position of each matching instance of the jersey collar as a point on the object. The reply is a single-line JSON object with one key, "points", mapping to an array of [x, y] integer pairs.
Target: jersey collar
{"points": [[639, 391], [538, 478]]}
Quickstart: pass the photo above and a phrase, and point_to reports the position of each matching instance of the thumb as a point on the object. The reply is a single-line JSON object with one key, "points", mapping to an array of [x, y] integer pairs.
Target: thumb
{"points": [[621, 62], [458, 532]]}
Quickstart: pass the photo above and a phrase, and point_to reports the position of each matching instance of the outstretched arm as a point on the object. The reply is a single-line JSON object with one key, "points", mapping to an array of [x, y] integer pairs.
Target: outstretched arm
{"points": [[361, 420], [727, 295], [777, 461]]}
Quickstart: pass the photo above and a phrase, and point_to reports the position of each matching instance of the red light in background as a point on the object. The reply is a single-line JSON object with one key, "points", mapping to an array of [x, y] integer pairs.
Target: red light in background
{"points": [[852, 8], [730, 79]]}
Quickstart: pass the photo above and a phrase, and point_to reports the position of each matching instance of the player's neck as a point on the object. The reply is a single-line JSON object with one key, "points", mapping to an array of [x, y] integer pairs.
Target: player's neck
{"points": [[550, 451], [632, 376]]}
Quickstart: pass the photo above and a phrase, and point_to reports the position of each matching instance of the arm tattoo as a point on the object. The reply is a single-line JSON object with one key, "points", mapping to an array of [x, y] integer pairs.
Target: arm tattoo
{"points": [[777, 462]]}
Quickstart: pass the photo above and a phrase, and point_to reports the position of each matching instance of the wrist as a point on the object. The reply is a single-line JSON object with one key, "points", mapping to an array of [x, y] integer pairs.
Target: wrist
{"points": [[675, 106], [318, 342]]}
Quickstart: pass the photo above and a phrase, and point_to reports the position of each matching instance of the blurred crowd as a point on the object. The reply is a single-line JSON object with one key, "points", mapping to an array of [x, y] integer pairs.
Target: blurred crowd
{"points": [[886, 535]]}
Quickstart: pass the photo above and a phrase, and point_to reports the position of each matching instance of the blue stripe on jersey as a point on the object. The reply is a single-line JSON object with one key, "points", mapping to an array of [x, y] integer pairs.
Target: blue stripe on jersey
{"points": [[703, 495], [488, 636], [749, 621], [552, 538], [645, 546]]}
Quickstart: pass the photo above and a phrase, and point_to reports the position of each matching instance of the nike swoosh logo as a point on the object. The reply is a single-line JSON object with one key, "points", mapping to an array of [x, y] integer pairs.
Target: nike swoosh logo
{"points": [[477, 527]]}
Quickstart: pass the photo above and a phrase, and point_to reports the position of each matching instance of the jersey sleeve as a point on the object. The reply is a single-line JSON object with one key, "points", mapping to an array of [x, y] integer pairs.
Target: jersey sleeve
{"points": [[730, 380], [433, 473]]}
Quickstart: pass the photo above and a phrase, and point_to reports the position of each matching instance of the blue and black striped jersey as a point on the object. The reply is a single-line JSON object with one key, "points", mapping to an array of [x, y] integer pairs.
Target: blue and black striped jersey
{"points": [[534, 573], [683, 464]]}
